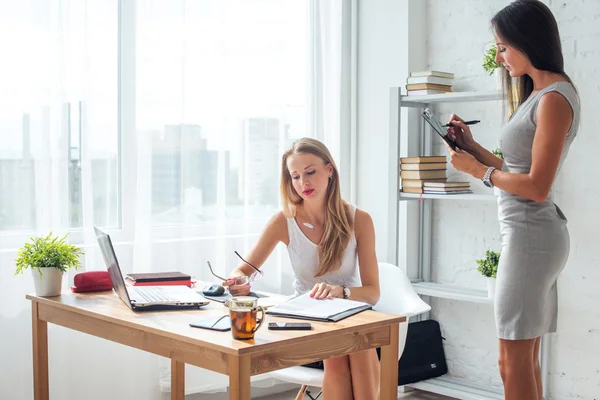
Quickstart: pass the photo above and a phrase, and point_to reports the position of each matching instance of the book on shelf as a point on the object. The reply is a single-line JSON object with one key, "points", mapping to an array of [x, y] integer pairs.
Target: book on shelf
{"points": [[426, 191], [432, 86], [447, 187], [446, 184], [417, 190], [445, 190], [422, 166], [418, 183], [435, 80], [441, 74], [424, 92], [433, 174], [422, 159]]}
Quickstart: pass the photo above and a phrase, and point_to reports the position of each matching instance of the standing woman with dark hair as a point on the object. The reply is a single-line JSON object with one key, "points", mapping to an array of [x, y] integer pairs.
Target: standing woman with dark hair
{"points": [[535, 141]]}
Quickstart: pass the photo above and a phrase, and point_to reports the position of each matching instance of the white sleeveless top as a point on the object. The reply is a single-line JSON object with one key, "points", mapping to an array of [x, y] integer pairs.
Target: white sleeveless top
{"points": [[304, 256]]}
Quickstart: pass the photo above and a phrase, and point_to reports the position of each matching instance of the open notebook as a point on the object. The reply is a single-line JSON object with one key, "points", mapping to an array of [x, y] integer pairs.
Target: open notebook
{"points": [[305, 307]]}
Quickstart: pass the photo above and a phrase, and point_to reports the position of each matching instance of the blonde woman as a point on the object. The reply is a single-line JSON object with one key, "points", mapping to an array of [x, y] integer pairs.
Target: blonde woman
{"points": [[331, 245]]}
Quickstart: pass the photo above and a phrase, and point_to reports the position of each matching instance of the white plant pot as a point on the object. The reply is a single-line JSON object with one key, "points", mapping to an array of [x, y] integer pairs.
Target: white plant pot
{"points": [[491, 287], [49, 284]]}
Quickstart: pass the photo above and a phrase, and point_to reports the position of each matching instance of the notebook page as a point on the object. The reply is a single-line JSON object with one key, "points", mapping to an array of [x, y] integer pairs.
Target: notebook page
{"points": [[304, 305]]}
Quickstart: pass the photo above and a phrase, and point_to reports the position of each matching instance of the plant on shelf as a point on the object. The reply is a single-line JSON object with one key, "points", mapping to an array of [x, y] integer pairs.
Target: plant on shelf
{"points": [[498, 153], [50, 256], [488, 267], [489, 60]]}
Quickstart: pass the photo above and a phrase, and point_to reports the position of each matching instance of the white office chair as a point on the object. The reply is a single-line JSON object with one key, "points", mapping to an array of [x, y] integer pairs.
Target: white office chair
{"points": [[397, 297]]}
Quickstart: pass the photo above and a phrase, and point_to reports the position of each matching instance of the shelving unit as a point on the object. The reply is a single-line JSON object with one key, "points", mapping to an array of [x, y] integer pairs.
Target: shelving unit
{"points": [[422, 282], [452, 292], [465, 196]]}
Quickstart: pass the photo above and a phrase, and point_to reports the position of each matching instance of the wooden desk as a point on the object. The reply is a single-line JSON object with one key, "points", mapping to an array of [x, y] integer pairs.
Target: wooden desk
{"points": [[168, 334]]}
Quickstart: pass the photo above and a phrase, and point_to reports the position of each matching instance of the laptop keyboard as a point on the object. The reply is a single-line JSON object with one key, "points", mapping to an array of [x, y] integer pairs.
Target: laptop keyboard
{"points": [[154, 294]]}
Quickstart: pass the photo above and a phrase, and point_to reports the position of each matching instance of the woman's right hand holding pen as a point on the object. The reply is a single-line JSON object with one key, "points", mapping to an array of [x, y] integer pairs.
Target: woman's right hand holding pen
{"points": [[461, 133]]}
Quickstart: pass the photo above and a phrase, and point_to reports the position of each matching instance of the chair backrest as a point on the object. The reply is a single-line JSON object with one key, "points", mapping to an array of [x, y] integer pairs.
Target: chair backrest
{"points": [[397, 296]]}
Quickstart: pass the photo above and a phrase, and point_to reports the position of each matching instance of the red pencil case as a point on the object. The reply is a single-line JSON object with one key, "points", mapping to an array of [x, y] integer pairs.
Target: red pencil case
{"points": [[91, 281]]}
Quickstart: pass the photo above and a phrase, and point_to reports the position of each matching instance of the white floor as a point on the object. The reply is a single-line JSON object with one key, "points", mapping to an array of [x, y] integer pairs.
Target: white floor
{"points": [[416, 395], [291, 395]]}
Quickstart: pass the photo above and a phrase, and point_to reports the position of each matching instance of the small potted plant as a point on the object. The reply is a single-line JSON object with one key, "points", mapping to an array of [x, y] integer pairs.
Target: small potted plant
{"points": [[488, 267], [498, 153], [491, 66], [48, 257]]}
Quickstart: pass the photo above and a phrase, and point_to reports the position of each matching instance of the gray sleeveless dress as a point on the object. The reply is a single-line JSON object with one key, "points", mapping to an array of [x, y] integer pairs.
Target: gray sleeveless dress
{"points": [[535, 239]]}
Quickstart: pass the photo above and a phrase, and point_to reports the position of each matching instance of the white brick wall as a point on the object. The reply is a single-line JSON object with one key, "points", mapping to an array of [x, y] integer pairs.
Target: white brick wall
{"points": [[458, 32]]}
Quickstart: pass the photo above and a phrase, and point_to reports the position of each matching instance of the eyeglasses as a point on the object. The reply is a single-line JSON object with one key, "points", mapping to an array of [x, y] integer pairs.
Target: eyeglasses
{"points": [[240, 280]]}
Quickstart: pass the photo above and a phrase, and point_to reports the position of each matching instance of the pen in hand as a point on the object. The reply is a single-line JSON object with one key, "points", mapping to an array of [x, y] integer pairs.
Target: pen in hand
{"points": [[473, 122]]}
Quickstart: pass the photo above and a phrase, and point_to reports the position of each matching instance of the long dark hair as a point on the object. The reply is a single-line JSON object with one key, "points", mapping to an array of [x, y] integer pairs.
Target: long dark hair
{"points": [[530, 27]]}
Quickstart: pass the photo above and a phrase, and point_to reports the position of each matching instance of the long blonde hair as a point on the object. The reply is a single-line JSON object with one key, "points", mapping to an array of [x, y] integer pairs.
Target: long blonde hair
{"points": [[338, 225]]}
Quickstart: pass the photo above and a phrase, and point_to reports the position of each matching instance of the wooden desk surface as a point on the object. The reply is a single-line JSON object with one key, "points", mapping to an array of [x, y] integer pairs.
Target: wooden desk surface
{"points": [[167, 333], [108, 307]]}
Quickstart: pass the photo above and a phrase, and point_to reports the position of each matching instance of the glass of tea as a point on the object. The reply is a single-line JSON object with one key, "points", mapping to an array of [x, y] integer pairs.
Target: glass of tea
{"points": [[243, 312]]}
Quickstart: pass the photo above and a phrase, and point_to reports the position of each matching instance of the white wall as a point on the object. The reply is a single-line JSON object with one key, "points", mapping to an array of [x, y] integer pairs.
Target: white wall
{"points": [[390, 44], [457, 32]]}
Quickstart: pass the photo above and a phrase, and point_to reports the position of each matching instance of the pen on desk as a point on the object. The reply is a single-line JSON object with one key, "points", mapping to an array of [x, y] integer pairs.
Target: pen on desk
{"points": [[473, 122]]}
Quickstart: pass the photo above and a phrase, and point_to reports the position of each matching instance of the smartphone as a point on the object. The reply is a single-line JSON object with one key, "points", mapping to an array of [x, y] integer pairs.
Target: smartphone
{"points": [[290, 326], [221, 324], [438, 128]]}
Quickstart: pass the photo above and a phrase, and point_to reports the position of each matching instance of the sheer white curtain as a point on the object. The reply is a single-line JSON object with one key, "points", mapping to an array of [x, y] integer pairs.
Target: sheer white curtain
{"points": [[332, 79], [58, 152], [163, 123]]}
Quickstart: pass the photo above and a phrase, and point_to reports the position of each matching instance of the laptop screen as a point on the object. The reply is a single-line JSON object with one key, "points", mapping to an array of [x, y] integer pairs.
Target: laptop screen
{"points": [[110, 258]]}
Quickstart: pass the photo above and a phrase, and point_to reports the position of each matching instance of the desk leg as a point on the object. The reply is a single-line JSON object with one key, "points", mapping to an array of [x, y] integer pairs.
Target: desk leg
{"points": [[177, 380], [388, 389], [40, 355], [239, 377]]}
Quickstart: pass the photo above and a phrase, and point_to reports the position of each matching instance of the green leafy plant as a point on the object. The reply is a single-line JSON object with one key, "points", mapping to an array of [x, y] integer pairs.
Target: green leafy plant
{"points": [[489, 60], [48, 252], [498, 153], [488, 266]]}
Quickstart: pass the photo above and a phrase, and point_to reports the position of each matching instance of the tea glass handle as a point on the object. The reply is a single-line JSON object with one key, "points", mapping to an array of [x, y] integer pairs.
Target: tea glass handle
{"points": [[262, 318]]}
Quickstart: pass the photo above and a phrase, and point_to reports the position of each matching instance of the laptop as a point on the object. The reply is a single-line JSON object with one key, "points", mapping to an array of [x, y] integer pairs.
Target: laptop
{"points": [[145, 298]]}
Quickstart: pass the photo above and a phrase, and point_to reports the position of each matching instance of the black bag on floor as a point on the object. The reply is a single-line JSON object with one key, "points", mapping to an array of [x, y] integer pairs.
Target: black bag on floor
{"points": [[423, 355]]}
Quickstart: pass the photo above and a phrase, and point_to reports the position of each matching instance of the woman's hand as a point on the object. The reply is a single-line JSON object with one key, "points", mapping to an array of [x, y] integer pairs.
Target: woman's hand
{"points": [[465, 162], [324, 291], [460, 133], [236, 290]]}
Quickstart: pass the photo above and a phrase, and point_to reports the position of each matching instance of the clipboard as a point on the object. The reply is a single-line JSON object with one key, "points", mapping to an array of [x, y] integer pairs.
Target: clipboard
{"points": [[438, 128]]}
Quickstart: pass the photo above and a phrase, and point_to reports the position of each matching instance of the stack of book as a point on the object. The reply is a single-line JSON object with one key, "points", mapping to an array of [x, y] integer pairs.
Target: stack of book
{"points": [[416, 171], [159, 279], [446, 187], [429, 82]]}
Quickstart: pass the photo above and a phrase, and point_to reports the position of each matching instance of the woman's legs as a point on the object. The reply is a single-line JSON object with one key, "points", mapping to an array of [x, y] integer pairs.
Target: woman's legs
{"points": [[355, 376], [536, 368], [365, 370], [517, 369], [337, 381]]}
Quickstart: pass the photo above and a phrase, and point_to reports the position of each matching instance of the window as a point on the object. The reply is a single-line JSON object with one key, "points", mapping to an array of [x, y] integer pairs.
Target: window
{"points": [[58, 92], [221, 91]]}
